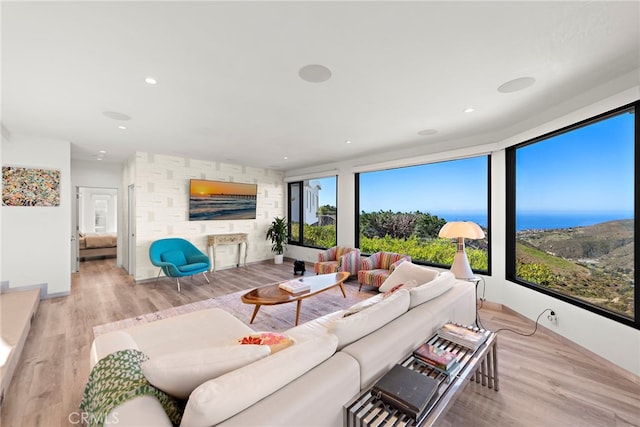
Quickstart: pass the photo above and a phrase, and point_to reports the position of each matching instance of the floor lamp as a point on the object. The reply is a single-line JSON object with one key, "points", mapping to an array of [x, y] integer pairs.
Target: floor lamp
{"points": [[461, 230]]}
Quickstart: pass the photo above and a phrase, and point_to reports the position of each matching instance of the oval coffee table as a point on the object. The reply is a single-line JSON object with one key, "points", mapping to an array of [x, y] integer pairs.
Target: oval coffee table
{"points": [[272, 294]]}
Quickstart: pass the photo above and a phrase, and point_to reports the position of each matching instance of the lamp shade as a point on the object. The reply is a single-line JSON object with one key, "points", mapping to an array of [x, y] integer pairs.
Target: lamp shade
{"points": [[461, 230], [466, 229]]}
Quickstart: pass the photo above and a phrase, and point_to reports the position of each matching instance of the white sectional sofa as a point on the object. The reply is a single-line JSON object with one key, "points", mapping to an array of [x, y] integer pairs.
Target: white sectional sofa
{"points": [[332, 359]]}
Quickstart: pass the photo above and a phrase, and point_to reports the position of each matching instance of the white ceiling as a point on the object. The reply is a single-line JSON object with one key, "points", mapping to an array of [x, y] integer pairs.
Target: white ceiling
{"points": [[228, 86]]}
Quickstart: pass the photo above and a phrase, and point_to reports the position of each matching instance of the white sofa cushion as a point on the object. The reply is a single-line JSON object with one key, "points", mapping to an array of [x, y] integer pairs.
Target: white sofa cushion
{"points": [[432, 289], [225, 396], [359, 306], [351, 328], [178, 374], [313, 400], [408, 271], [313, 328], [379, 351], [191, 331], [110, 343]]}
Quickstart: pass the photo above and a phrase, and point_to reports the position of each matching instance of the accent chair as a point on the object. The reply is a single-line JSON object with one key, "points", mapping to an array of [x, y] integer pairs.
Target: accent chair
{"points": [[376, 268], [178, 258], [338, 258]]}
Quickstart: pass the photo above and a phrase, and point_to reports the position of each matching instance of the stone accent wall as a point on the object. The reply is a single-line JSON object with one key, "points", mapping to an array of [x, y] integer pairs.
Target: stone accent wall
{"points": [[162, 207]]}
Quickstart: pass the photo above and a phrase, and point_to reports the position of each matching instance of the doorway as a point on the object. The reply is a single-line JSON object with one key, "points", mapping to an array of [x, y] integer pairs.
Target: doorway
{"points": [[97, 224]]}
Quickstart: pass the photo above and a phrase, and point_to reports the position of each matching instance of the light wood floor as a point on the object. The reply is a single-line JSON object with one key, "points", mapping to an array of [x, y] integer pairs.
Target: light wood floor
{"points": [[544, 379]]}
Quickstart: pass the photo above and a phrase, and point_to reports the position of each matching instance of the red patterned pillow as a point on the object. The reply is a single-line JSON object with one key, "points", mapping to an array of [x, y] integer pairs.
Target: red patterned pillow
{"points": [[275, 341], [407, 285]]}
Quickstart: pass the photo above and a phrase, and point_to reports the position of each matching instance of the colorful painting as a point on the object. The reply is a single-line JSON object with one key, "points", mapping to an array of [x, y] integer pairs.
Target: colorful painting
{"points": [[218, 200], [30, 187]]}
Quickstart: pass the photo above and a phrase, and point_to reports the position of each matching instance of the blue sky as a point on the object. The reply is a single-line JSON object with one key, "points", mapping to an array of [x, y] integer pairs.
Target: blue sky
{"points": [[587, 169], [328, 193], [458, 185]]}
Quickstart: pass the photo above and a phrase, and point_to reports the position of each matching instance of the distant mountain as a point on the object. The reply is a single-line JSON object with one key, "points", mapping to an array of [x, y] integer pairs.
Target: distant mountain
{"points": [[607, 242], [594, 263]]}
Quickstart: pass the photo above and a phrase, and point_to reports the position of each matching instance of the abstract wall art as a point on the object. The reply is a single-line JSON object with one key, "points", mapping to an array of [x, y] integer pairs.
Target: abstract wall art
{"points": [[30, 187]]}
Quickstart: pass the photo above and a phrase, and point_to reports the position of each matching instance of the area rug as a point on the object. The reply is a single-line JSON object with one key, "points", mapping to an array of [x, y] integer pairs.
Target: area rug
{"points": [[276, 318]]}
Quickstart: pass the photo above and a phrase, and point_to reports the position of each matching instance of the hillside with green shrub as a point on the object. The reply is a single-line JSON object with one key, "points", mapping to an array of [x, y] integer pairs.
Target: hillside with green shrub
{"points": [[412, 233], [592, 263]]}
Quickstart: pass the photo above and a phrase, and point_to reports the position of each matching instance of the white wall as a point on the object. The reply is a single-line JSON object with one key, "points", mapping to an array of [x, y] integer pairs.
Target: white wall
{"points": [[611, 340], [94, 173], [5, 136], [36, 240], [162, 207]]}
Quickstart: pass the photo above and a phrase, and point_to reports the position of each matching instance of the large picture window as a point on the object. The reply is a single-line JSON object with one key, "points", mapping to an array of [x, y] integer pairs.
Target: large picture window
{"points": [[570, 221], [313, 212], [402, 210]]}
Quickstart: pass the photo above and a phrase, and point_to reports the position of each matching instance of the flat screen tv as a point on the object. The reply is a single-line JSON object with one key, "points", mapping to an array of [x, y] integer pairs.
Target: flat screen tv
{"points": [[220, 200]]}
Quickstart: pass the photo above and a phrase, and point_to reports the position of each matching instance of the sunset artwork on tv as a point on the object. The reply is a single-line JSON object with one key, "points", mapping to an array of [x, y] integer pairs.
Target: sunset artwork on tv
{"points": [[219, 200]]}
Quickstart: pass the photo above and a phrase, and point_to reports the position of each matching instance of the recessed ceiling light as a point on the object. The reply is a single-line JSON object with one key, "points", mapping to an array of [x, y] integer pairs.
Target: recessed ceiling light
{"points": [[102, 152], [122, 127], [348, 141], [98, 158], [427, 132], [151, 81], [314, 73], [286, 158], [116, 116], [469, 110], [516, 84]]}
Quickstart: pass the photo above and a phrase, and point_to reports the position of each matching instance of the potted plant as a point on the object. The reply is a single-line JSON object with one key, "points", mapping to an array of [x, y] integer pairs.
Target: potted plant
{"points": [[277, 233]]}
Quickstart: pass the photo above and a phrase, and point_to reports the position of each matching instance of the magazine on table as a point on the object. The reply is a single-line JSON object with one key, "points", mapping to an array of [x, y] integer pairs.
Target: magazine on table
{"points": [[435, 356], [294, 286], [465, 336]]}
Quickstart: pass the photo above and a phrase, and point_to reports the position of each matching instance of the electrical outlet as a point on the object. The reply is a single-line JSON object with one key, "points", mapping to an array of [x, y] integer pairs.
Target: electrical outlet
{"points": [[553, 318]]}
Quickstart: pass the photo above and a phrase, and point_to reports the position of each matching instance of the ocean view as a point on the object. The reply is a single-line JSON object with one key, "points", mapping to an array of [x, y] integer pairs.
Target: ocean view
{"points": [[222, 207], [543, 220], [546, 221]]}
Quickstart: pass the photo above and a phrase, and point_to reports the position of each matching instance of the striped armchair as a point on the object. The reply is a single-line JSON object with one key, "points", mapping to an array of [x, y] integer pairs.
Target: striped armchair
{"points": [[338, 258], [376, 268]]}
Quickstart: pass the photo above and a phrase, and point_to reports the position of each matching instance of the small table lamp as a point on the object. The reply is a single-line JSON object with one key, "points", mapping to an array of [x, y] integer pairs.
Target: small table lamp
{"points": [[459, 230]]}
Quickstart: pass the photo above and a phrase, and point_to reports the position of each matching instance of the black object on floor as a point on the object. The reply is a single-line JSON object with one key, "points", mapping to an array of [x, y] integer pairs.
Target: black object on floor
{"points": [[298, 266]]}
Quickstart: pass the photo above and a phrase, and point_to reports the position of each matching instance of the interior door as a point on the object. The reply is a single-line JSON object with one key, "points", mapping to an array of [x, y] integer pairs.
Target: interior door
{"points": [[131, 231], [75, 244]]}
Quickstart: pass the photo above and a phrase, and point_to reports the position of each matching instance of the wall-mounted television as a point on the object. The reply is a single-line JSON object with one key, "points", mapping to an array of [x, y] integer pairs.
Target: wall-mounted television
{"points": [[221, 200]]}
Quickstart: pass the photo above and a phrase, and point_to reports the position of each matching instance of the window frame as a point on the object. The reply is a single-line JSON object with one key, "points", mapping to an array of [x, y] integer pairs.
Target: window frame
{"points": [[489, 159], [304, 203], [510, 224]]}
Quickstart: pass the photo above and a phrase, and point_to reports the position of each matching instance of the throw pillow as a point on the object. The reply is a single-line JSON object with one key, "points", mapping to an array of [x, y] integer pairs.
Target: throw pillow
{"points": [[432, 289], [410, 284], [274, 341], [408, 271], [178, 374]]}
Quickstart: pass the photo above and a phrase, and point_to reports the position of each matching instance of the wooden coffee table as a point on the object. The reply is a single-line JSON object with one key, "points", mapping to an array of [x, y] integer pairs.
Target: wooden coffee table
{"points": [[272, 294]]}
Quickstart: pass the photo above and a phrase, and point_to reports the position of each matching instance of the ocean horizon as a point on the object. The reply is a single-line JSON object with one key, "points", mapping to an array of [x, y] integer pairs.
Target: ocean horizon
{"points": [[543, 220], [548, 221]]}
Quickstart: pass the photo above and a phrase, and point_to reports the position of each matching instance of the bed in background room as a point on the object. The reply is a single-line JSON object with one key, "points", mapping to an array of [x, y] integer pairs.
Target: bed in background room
{"points": [[98, 244]]}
